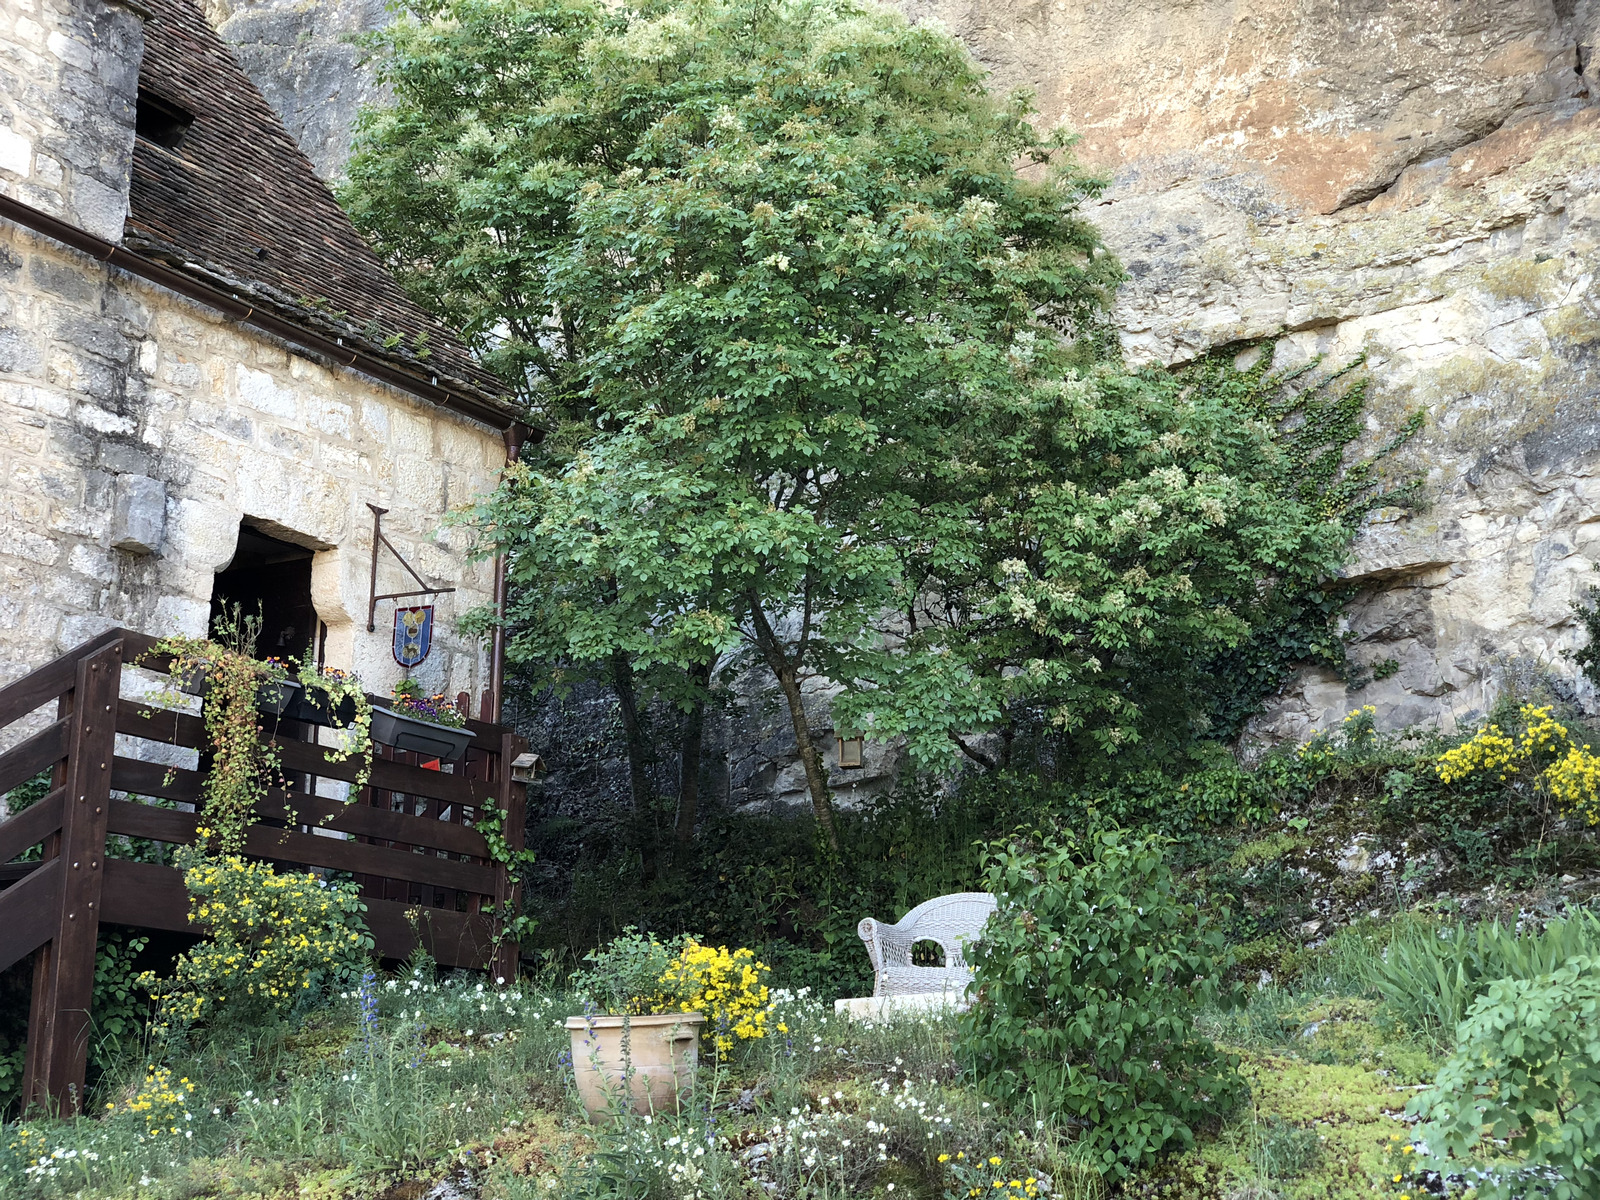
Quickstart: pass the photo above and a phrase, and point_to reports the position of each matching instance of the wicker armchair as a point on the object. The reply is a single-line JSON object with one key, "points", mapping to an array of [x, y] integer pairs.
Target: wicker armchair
{"points": [[950, 921]]}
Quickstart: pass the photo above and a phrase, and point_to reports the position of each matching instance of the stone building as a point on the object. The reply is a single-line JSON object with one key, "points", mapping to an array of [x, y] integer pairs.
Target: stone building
{"points": [[207, 380]]}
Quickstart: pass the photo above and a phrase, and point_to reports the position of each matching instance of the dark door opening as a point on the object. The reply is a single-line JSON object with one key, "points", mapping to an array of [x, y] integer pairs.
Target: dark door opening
{"points": [[273, 577]]}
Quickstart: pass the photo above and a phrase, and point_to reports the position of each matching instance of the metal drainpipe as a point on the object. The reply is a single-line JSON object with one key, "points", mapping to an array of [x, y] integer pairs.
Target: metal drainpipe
{"points": [[514, 436]]}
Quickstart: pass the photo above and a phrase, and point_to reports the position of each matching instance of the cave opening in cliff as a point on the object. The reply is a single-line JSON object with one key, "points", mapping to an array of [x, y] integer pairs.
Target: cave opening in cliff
{"points": [[272, 576]]}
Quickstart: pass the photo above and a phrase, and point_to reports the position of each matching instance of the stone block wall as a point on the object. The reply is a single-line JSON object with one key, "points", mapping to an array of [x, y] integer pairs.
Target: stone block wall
{"points": [[138, 429], [69, 80]]}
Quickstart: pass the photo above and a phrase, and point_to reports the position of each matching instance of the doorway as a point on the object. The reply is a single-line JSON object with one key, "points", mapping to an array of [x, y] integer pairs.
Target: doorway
{"points": [[274, 576]]}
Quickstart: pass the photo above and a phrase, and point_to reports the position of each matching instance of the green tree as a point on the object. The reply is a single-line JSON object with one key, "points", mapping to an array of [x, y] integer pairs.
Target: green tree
{"points": [[1101, 543], [830, 371], [784, 258]]}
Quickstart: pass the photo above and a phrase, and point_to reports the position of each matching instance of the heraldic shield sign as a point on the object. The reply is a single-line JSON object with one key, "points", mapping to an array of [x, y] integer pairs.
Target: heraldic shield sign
{"points": [[413, 634]]}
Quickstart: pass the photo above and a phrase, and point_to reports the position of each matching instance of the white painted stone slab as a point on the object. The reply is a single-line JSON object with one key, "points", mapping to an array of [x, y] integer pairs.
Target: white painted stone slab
{"points": [[878, 1008]]}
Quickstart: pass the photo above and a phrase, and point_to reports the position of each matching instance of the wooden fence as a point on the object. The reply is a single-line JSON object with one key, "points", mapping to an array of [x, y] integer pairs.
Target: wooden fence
{"points": [[408, 838]]}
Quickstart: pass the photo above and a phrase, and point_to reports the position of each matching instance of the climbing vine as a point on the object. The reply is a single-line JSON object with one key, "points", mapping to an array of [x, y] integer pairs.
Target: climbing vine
{"points": [[243, 763], [490, 821], [1319, 418], [234, 684]]}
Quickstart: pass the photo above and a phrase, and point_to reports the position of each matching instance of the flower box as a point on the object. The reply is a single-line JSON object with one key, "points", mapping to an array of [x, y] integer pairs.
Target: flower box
{"points": [[403, 732], [274, 697], [314, 708]]}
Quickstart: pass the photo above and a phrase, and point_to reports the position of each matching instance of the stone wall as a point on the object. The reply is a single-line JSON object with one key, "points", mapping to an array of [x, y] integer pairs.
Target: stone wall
{"points": [[69, 76], [1413, 180], [138, 429]]}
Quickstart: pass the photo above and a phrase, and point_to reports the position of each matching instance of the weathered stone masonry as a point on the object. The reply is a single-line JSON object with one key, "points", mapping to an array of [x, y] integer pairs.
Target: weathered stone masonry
{"points": [[138, 428], [125, 410]]}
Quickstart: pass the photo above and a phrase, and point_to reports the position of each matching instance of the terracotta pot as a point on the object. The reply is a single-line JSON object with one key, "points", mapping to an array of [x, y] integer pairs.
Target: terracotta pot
{"points": [[643, 1062]]}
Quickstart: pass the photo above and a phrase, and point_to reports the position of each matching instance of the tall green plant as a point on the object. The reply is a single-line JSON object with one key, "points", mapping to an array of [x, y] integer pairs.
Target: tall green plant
{"points": [[1432, 974], [1087, 981], [1517, 1107]]}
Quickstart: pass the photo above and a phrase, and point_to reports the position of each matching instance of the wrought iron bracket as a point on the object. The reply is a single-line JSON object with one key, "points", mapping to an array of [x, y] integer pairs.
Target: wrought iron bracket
{"points": [[372, 594]]}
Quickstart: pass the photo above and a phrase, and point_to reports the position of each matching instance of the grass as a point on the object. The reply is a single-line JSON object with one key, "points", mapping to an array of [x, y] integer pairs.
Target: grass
{"points": [[467, 1082], [1430, 972], [455, 1079]]}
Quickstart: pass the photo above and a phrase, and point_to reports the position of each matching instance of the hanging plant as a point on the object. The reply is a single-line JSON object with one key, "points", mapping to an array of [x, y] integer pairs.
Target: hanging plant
{"points": [[338, 700], [244, 762]]}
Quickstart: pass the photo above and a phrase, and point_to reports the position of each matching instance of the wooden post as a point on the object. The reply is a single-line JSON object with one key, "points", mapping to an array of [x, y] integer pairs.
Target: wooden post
{"points": [[63, 979], [512, 798]]}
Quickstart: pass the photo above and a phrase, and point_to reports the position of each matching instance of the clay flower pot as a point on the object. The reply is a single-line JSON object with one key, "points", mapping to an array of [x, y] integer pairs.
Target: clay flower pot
{"points": [[643, 1063]]}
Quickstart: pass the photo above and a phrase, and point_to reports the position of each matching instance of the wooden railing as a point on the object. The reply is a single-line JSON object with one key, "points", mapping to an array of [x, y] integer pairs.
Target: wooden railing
{"points": [[407, 836]]}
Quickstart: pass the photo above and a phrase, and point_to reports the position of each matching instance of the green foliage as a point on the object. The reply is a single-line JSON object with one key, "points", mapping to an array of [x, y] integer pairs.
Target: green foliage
{"points": [[1087, 982], [117, 1017], [1153, 527], [625, 972], [275, 942], [120, 1008], [1526, 1077], [1432, 974], [1282, 1151], [1587, 656], [1317, 416]]}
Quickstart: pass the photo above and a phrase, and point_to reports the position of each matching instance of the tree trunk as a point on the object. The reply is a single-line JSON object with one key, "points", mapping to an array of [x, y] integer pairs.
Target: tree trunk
{"points": [[789, 682], [633, 732], [694, 725]]}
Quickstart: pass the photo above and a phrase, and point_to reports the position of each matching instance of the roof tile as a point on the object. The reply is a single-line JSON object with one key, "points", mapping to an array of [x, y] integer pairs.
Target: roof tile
{"points": [[238, 205]]}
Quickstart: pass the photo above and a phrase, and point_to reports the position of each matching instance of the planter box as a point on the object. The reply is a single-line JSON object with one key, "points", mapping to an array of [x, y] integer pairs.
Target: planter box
{"points": [[641, 1063], [390, 728], [273, 698], [313, 708]]}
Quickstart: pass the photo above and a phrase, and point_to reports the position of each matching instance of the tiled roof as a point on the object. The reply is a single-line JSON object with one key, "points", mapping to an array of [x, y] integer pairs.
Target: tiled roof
{"points": [[237, 205]]}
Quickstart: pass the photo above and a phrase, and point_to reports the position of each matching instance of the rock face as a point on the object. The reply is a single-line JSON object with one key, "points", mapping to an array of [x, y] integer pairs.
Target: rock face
{"points": [[1413, 180], [302, 55]]}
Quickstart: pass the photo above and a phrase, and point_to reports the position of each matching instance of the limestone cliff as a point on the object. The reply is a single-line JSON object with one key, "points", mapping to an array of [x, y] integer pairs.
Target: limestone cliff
{"points": [[303, 56], [1416, 180]]}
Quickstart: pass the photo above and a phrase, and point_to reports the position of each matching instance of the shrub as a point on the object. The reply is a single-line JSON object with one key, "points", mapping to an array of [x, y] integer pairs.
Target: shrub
{"points": [[1431, 974], [1087, 981], [729, 987], [1539, 759], [624, 974], [275, 940], [1525, 1076]]}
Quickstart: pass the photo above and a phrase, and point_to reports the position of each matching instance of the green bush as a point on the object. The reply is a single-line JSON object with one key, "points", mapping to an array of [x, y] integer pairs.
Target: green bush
{"points": [[1087, 983], [1525, 1076], [625, 971], [1431, 974]]}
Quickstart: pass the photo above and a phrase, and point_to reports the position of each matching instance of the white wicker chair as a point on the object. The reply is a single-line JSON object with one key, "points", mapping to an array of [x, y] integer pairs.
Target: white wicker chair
{"points": [[951, 921]]}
